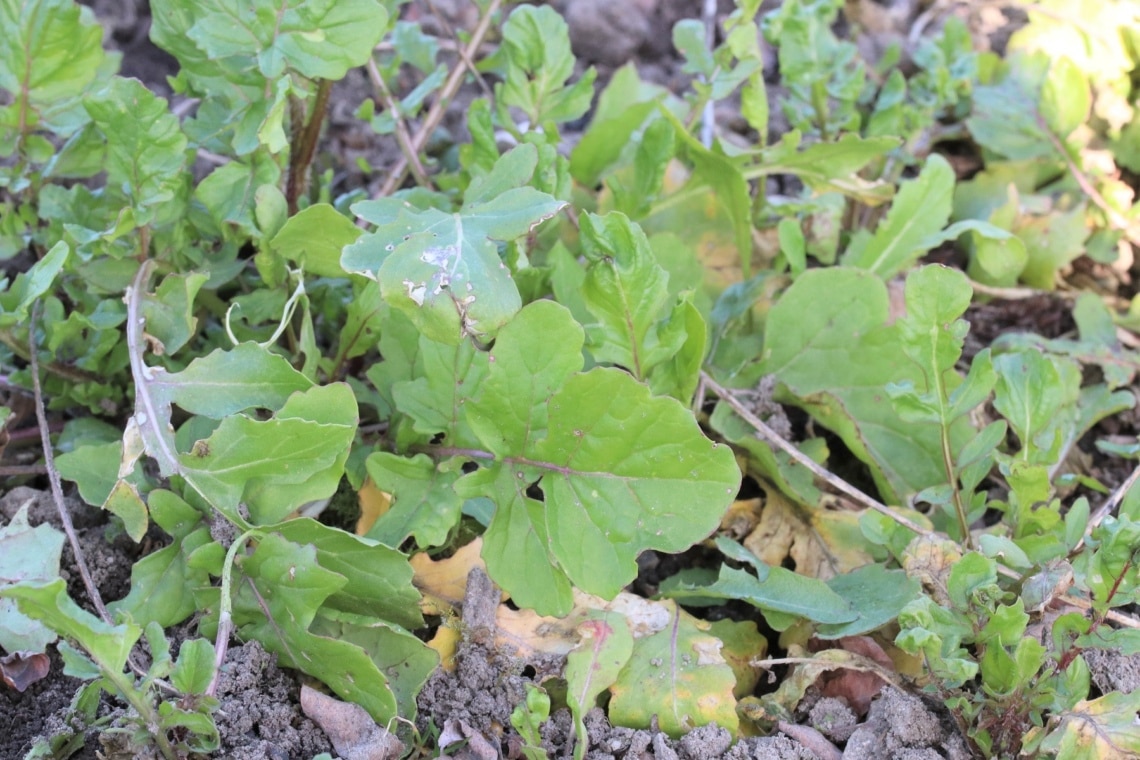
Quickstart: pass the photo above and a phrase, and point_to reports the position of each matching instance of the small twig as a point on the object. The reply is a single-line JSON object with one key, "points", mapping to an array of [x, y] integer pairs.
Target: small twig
{"points": [[456, 46], [811, 739], [1110, 504], [53, 473], [13, 470], [439, 107], [402, 137], [843, 486], [1017, 294], [836, 482]]}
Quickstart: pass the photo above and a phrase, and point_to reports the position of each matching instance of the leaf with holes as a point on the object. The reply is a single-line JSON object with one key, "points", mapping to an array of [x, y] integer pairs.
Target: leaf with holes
{"points": [[443, 270]]}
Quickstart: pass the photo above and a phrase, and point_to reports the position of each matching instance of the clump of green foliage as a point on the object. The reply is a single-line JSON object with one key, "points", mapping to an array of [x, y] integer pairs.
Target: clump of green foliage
{"points": [[520, 344]]}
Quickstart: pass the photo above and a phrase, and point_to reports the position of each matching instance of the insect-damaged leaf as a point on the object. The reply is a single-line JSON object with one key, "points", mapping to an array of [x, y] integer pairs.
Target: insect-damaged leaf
{"points": [[679, 675], [620, 471], [443, 270]]}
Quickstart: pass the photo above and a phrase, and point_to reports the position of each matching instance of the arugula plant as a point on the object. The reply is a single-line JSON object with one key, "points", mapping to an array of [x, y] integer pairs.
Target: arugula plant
{"points": [[515, 346]]}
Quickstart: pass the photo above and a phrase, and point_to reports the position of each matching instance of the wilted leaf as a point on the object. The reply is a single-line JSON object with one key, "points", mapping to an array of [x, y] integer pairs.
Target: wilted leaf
{"points": [[19, 670], [353, 733], [678, 675], [1097, 729], [605, 646]]}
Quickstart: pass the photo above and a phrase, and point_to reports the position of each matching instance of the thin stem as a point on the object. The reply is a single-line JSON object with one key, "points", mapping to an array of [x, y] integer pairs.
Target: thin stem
{"points": [[841, 485], [225, 608], [1115, 219], [306, 147], [14, 470], [403, 138], [439, 107], [53, 474], [72, 374], [836, 482]]}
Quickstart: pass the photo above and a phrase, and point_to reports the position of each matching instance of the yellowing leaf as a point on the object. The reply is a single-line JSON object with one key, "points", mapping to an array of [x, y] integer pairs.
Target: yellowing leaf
{"points": [[822, 542], [1098, 729], [374, 504], [678, 675], [443, 583]]}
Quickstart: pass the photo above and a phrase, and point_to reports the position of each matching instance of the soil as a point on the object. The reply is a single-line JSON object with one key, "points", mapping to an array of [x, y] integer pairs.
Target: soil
{"points": [[260, 714]]}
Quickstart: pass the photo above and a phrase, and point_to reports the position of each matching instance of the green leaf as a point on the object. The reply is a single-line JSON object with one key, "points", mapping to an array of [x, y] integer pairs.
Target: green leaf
{"points": [[827, 342], [223, 383], [403, 659], [625, 289], [49, 603], [26, 554], [443, 270], [727, 183], [322, 39], [52, 52], [604, 647], [876, 595], [620, 471], [827, 166], [1052, 241], [677, 675], [276, 598], [689, 39], [146, 150], [425, 505], [622, 109], [169, 311], [243, 454], [921, 208], [314, 238], [1029, 393], [229, 192], [16, 302], [679, 375], [536, 51], [163, 583], [782, 591], [1065, 97], [1006, 118], [378, 579], [449, 376], [194, 668]]}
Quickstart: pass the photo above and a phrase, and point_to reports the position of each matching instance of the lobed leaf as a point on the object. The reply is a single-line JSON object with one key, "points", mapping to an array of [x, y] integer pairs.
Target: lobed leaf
{"points": [[443, 270], [321, 39], [619, 471]]}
